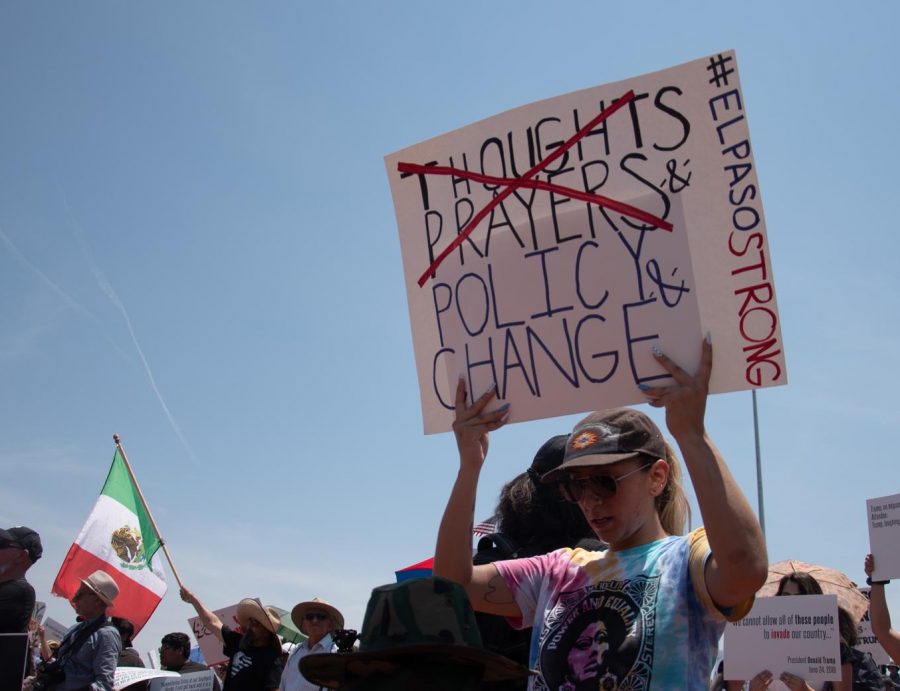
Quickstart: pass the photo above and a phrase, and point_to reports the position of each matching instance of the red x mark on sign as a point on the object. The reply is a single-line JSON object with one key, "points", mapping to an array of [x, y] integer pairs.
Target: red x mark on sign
{"points": [[527, 181]]}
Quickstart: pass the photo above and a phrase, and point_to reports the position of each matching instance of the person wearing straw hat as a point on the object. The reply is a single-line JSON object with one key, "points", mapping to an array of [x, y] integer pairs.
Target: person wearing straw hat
{"points": [[419, 634], [317, 620], [89, 651], [255, 661]]}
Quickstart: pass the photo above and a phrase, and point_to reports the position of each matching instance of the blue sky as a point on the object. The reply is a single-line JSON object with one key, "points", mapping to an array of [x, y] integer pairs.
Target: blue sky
{"points": [[198, 251]]}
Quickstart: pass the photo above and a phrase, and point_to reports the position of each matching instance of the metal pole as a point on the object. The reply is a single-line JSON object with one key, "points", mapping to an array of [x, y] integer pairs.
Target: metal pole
{"points": [[162, 543], [759, 481]]}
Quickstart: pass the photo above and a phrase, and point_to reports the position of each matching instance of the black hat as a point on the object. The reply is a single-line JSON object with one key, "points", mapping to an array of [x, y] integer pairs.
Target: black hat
{"points": [[549, 456], [23, 538]]}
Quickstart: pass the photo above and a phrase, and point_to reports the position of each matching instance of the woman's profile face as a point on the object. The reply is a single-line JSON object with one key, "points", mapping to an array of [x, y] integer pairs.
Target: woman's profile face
{"points": [[587, 653]]}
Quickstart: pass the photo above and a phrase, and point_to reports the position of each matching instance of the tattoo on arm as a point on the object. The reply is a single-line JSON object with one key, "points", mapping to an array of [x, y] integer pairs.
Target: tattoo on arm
{"points": [[495, 595]]}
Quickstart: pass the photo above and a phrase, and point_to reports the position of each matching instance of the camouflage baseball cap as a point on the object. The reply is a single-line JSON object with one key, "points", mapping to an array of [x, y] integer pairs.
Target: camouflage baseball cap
{"points": [[422, 620]]}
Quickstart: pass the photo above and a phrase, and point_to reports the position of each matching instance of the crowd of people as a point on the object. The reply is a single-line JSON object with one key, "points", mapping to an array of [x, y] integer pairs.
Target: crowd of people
{"points": [[589, 560]]}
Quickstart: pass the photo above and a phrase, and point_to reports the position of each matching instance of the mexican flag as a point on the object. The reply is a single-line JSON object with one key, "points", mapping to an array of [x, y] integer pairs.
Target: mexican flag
{"points": [[118, 538]]}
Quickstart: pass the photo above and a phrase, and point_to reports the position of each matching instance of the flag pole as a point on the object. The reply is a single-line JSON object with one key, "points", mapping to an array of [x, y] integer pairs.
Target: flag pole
{"points": [[162, 543]]}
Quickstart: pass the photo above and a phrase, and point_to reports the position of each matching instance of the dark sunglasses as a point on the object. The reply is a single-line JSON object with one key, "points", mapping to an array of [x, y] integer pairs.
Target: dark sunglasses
{"points": [[316, 616], [601, 486]]}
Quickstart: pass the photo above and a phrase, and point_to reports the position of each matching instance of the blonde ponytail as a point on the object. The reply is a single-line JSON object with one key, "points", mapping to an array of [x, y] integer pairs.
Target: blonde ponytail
{"points": [[672, 505]]}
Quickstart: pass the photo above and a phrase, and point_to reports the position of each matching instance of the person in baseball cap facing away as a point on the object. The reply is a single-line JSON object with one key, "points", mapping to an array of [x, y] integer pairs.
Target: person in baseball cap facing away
{"points": [[19, 549], [318, 620], [255, 661]]}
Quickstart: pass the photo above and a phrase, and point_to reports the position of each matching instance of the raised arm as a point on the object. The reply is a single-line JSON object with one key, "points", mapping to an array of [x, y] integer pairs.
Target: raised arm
{"points": [[487, 591], [738, 565], [879, 614], [207, 618]]}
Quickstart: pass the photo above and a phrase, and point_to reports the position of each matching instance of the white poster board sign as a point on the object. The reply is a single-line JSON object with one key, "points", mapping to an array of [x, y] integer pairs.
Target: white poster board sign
{"points": [[884, 536], [192, 681], [796, 634], [125, 676], [210, 646], [54, 631], [867, 641], [559, 295], [40, 608]]}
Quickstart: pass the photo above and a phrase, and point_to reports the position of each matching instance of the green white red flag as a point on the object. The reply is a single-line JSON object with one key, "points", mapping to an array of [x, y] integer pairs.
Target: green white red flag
{"points": [[119, 538]]}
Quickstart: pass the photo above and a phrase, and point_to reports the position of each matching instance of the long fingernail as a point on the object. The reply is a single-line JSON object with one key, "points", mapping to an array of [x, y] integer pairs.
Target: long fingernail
{"points": [[656, 351], [505, 418], [644, 387], [709, 337], [491, 387], [505, 406]]}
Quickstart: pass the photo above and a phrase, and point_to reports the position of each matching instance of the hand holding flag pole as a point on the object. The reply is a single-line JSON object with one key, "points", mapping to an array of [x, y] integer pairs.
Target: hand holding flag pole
{"points": [[162, 542]]}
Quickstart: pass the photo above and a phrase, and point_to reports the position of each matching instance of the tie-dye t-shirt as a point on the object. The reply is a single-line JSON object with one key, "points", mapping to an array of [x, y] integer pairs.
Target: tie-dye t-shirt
{"points": [[634, 619]]}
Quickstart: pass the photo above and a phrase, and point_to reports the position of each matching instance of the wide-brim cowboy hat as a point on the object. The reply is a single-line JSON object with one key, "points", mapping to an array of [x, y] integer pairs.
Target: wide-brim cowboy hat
{"points": [[424, 621], [251, 608], [300, 610]]}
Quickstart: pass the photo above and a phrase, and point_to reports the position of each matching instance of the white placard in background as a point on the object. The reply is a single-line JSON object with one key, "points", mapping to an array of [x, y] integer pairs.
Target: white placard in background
{"points": [[884, 536], [210, 646], [797, 634]]}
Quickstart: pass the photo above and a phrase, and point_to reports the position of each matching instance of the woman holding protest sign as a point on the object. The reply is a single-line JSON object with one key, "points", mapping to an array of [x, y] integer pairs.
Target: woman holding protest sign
{"points": [[858, 672], [671, 594], [879, 614]]}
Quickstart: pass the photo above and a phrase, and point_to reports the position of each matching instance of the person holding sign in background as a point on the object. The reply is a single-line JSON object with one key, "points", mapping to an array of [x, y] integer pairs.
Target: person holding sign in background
{"points": [[879, 614], [666, 595], [857, 673], [255, 662]]}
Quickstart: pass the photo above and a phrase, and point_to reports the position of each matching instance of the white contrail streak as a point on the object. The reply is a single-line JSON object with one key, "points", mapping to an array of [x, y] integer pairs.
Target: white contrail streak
{"points": [[110, 292], [71, 302], [63, 295]]}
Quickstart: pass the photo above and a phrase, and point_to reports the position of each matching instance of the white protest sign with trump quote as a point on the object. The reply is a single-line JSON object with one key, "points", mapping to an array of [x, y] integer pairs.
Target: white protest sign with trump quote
{"points": [[192, 681], [550, 248], [884, 536], [796, 634]]}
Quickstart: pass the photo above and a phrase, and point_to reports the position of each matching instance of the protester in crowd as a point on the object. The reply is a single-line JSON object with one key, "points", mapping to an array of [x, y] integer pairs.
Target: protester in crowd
{"points": [[47, 647], [128, 656], [317, 620], [174, 654], [418, 635], [879, 615], [20, 547], [89, 651], [255, 655], [671, 590], [531, 518]]}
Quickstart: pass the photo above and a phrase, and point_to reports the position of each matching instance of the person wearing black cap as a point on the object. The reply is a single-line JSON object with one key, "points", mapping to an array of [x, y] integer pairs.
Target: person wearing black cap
{"points": [[531, 518], [19, 548]]}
